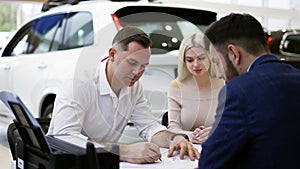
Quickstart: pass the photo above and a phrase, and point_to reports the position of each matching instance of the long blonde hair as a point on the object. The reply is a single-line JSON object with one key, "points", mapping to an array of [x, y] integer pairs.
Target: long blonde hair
{"points": [[194, 40]]}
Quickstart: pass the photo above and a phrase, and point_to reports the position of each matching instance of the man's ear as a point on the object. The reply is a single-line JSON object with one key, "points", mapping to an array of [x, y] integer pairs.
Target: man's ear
{"points": [[112, 53], [234, 54]]}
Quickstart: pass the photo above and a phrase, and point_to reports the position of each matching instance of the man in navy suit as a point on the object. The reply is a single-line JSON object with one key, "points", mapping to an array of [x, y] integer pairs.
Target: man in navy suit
{"points": [[257, 125]]}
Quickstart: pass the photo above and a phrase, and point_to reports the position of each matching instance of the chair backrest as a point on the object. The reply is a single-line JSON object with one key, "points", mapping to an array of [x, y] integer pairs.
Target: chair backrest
{"points": [[13, 134], [165, 119], [92, 156]]}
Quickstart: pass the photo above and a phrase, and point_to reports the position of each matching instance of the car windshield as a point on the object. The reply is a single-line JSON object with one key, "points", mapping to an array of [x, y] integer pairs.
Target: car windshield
{"points": [[291, 44], [166, 29]]}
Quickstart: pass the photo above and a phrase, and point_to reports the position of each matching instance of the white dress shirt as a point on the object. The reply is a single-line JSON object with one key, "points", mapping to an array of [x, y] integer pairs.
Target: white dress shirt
{"points": [[91, 108]]}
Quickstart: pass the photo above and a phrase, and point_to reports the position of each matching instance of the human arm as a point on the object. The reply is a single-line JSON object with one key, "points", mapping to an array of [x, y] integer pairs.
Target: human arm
{"points": [[175, 142], [154, 132], [176, 113], [68, 113], [175, 109], [201, 133], [138, 153]]}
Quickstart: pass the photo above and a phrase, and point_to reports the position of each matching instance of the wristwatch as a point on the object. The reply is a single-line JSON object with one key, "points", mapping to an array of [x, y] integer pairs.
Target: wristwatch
{"points": [[184, 135]]}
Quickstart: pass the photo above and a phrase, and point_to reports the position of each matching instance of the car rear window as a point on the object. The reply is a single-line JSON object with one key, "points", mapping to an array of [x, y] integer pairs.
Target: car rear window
{"points": [[79, 30], [166, 26]]}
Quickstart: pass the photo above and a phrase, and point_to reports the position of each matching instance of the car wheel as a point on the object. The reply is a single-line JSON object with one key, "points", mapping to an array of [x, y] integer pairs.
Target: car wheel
{"points": [[48, 111]]}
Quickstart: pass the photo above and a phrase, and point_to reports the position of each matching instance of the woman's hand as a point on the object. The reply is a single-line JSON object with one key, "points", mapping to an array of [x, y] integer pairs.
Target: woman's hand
{"points": [[200, 135]]}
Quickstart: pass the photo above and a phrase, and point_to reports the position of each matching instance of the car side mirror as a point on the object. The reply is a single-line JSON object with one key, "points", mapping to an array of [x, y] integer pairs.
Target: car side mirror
{"points": [[290, 44]]}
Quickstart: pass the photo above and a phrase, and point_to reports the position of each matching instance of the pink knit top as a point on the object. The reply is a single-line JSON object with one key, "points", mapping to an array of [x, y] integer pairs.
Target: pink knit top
{"points": [[189, 108]]}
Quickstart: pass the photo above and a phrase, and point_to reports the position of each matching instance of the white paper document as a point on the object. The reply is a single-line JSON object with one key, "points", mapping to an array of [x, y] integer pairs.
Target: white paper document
{"points": [[172, 162]]}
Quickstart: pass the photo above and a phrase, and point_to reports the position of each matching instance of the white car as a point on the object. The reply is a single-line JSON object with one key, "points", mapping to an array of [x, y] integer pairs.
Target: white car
{"points": [[70, 39]]}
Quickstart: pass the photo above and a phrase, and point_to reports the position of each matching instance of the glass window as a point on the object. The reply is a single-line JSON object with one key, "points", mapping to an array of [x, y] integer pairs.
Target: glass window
{"points": [[166, 29], [21, 46], [167, 36], [187, 28], [46, 33], [291, 44], [19, 43], [79, 30]]}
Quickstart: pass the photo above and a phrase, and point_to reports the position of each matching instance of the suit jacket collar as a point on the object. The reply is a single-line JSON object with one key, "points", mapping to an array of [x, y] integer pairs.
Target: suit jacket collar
{"points": [[263, 59]]}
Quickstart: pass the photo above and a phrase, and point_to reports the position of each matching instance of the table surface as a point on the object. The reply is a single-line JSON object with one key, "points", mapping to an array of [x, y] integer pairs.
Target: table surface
{"points": [[172, 162], [166, 163]]}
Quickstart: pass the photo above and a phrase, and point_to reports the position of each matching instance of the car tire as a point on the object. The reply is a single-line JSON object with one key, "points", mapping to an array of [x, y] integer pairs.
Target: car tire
{"points": [[48, 111]]}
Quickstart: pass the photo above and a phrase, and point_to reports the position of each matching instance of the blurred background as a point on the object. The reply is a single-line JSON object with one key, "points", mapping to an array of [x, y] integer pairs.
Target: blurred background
{"points": [[273, 14]]}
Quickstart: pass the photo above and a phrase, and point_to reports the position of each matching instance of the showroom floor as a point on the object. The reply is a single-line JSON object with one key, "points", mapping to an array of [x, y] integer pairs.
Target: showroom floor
{"points": [[5, 156]]}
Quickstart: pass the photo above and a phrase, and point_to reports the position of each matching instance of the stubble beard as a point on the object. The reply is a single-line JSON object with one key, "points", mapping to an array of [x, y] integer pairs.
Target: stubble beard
{"points": [[231, 71]]}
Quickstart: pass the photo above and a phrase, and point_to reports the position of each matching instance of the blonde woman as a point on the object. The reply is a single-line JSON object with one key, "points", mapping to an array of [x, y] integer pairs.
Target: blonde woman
{"points": [[192, 96]]}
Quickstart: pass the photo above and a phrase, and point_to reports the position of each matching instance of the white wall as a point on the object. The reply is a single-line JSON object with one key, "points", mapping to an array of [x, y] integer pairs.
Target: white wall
{"points": [[296, 20], [273, 14]]}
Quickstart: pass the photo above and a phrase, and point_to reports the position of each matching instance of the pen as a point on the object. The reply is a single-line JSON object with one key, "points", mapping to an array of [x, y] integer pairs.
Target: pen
{"points": [[160, 159]]}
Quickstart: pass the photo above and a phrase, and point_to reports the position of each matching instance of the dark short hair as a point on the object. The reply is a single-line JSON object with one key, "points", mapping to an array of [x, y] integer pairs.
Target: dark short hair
{"points": [[131, 34], [239, 29]]}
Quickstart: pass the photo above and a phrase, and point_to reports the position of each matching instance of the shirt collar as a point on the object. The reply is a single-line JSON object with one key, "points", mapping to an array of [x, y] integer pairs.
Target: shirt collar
{"points": [[103, 85]]}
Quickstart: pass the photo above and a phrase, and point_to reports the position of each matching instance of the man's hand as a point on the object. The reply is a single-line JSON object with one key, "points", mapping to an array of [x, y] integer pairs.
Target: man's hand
{"points": [[139, 153], [185, 147]]}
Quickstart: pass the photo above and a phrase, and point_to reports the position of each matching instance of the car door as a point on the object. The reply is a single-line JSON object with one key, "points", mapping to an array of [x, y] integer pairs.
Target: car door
{"points": [[290, 48], [8, 57], [26, 73], [4, 70], [4, 82]]}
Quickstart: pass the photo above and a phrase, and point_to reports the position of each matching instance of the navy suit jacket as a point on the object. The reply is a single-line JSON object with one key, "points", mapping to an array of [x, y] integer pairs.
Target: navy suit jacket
{"points": [[257, 124]]}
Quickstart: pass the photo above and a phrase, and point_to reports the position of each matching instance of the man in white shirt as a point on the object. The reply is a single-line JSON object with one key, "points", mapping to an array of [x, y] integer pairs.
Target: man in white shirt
{"points": [[100, 108]]}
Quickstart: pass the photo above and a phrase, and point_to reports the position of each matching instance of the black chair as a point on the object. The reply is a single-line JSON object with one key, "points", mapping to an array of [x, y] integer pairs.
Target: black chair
{"points": [[93, 162], [13, 134], [165, 119]]}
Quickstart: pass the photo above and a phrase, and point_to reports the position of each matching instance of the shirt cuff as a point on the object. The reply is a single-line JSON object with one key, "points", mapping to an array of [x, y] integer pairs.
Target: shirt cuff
{"points": [[151, 131]]}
